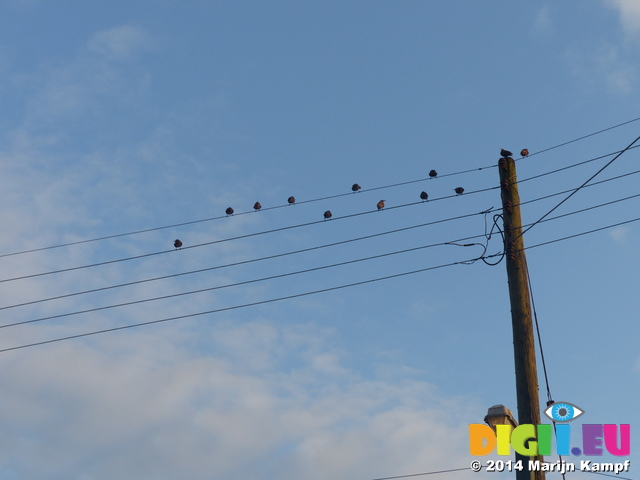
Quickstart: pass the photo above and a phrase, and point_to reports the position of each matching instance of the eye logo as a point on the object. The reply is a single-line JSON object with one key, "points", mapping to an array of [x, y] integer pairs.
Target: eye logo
{"points": [[563, 412]]}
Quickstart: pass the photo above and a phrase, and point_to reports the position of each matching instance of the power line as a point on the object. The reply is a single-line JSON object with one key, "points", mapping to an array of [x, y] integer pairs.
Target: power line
{"points": [[135, 232], [235, 307], [247, 212], [573, 165], [587, 186], [280, 229], [426, 473], [243, 262], [246, 282], [583, 137], [286, 254], [576, 190], [452, 242], [314, 223], [288, 297]]}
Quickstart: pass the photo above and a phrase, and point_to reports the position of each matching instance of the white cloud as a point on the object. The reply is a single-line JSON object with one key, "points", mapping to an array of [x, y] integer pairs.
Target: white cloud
{"points": [[120, 43], [604, 69], [542, 22], [619, 234], [629, 11], [146, 405]]}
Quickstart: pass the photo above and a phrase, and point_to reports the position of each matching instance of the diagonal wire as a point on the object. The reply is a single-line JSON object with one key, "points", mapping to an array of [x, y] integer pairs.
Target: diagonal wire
{"points": [[305, 201], [576, 190]]}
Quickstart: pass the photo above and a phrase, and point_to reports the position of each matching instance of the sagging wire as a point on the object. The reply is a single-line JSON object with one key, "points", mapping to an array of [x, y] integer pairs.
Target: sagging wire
{"points": [[487, 236]]}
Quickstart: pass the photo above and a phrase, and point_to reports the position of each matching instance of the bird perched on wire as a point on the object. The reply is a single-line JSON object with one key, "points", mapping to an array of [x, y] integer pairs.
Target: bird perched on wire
{"points": [[433, 174], [505, 153], [177, 244], [257, 206], [459, 190], [380, 205], [524, 152], [355, 187], [424, 195], [327, 215], [229, 211], [291, 200]]}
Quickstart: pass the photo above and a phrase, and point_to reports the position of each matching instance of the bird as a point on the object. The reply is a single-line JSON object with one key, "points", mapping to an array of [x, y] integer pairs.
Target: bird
{"points": [[459, 190], [229, 211], [257, 206], [355, 187], [291, 200], [327, 215], [433, 174], [524, 152], [505, 153], [380, 205], [424, 195], [177, 244]]}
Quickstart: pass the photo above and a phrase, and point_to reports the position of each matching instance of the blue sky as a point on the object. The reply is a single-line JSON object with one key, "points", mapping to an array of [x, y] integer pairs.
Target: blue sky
{"points": [[125, 116]]}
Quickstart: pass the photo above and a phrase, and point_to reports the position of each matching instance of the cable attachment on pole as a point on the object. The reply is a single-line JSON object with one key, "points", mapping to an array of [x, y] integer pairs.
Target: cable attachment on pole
{"points": [[511, 251], [504, 184], [508, 207], [502, 163]]}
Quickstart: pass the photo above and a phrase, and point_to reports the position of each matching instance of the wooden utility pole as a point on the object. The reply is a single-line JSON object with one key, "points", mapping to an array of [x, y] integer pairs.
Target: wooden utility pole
{"points": [[523, 342]]}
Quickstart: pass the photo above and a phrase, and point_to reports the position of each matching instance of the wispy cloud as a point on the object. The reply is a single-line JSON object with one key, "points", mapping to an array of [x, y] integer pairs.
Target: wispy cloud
{"points": [[619, 234], [605, 69], [148, 404], [542, 24], [629, 11], [120, 43]]}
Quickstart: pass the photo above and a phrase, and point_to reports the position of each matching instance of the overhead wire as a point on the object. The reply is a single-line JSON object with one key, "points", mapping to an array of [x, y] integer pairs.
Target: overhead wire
{"points": [[573, 165], [322, 267], [246, 282], [235, 307], [243, 262], [107, 262], [486, 235], [135, 232], [577, 189], [303, 294], [238, 237], [583, 137], [425, 473]]}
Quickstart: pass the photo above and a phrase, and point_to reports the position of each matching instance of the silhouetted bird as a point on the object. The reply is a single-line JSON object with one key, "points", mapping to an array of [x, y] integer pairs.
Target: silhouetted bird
{"points": [[380, 205], [424, 195], [355, 187], [505, 153], [257, 206], [524, 152], [327, 215], [177, 244], [433, 174], [229, 211], [459, 190], [291, 200]]}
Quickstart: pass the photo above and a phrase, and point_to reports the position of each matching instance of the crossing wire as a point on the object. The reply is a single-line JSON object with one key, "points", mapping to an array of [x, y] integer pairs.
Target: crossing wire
{"points": [[312, 223], [248, 235], [305, 250], [322, 267], [304, 294], [306, 201], [235, 307], [577, 189], [302, 225]]}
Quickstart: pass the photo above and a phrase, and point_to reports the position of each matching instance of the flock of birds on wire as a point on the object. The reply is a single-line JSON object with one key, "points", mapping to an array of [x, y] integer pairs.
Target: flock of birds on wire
{"points": [[355, 187]]}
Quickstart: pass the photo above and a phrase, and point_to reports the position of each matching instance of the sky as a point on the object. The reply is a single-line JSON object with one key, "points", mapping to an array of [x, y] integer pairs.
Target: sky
{"points": [[154, 117]]}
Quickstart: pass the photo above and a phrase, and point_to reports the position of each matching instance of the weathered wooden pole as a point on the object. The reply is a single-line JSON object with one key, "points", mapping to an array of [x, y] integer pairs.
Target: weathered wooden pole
{"points": [[523, 342]]}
